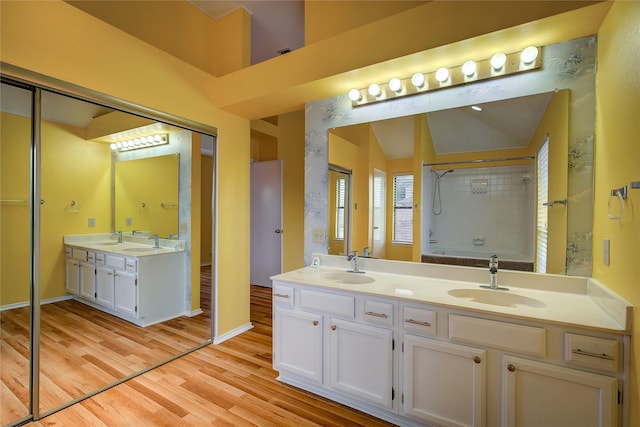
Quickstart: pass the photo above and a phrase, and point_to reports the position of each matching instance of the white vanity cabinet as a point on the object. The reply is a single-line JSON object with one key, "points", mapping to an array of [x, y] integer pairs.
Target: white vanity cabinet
{"points": [[141, 289], [541, 394], [327, 339]]}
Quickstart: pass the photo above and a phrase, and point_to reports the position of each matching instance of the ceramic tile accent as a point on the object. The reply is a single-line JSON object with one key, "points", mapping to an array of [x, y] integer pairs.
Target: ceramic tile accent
{"points": [[567, 65]]}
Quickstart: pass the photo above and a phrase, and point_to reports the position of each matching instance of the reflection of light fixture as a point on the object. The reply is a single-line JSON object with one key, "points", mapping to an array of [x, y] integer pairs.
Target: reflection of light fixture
{"points": [[354, 95], [374, 90], [140, 142], [395, 85], [442, 75], [498, 60], [476, 108], [417, 80], [529, 55], [469, 68]]}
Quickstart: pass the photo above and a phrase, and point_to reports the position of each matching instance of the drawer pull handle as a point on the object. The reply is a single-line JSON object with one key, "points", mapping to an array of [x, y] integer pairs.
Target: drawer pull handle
{"points": [[590, 354], [315, 323], [281, 295], [417, 322], [373, 313]]}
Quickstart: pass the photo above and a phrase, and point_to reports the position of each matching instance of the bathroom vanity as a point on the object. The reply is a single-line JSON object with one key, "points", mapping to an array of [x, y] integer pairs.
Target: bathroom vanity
{"points": [[131, 279], [419, 344]]}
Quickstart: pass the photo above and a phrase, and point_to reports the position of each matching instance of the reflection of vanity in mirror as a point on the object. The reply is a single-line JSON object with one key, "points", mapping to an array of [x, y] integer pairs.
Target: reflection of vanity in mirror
{"points": [[479, 177]]}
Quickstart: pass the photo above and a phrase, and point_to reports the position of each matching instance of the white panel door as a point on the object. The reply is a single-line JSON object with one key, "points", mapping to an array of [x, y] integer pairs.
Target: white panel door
{"points": [[105, 286], [87, 281], [266, 221]]}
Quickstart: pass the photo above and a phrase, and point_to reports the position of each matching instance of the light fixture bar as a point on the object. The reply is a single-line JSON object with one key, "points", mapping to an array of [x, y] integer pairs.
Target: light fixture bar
{"points": [[141, 142], [499, 65]]}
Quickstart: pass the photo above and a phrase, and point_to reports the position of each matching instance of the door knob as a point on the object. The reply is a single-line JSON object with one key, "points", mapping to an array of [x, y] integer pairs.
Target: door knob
{"points": [[279, 231]]}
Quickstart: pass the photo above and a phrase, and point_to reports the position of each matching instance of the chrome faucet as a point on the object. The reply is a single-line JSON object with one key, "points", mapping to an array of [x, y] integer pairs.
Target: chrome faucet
{"points": [[119, 233], [493, 272], [354, 257], [365, 252], [157, 241]]}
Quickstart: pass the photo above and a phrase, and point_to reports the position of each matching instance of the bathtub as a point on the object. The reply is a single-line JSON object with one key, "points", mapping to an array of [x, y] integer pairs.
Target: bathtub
{"points": [[472, 258]]}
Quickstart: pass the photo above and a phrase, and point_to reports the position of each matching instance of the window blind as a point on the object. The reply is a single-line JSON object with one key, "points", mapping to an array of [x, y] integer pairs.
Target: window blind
{"points": [[542, 210], [403, 208]]}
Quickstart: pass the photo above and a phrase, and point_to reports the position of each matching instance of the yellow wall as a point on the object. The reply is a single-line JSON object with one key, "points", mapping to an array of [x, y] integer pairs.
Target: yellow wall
{"points": [[616, 162], [55, 39], [291, 151], [206, 229], [15, 149], [72, 169]]}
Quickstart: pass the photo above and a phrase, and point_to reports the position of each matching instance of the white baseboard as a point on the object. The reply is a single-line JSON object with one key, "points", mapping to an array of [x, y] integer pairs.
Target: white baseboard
{"points": [[194, 313], [221, 338], [27, 303]]}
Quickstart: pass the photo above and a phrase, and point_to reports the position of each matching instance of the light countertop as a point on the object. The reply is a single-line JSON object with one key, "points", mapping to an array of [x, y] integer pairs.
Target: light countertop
{"points": [[580, 306], [131, 246]]}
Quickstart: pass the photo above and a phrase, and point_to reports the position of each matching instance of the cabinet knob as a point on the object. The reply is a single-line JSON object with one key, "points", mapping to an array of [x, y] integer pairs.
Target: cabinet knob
{"points": [[315, 323], [511, 368], [477, 359], [333, 327]]}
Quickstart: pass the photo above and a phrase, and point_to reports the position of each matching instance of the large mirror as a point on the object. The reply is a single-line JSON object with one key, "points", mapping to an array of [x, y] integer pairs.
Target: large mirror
{"points": [[462, 206], [146, 196], [83, 183]]}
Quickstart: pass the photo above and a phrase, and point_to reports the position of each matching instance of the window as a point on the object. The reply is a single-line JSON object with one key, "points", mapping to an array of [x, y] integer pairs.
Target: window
{"points": [[403, 208], [340, 201], [543, 211]]}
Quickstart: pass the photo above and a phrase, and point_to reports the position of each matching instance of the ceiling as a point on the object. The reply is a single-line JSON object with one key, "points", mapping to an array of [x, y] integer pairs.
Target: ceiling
{"points": [[500, 125], [276, 26]]}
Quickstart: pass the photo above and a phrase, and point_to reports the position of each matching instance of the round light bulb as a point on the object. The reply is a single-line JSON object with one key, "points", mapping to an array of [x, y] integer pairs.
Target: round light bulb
{"points": [[374, 89], [442, 75], [395, 84], [113, 146], [469, 68], [158, 138], [529, 54], [498, 60], [119, 145], [417, 80], [354, 95]]}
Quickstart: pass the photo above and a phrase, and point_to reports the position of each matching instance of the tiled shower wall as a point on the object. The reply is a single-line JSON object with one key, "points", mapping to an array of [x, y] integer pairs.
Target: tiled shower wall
{"points": [[500, 220]]}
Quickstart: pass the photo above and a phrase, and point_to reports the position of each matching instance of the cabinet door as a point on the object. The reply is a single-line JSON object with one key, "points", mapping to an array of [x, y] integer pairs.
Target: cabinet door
{"points": [[87, 281], [361, 361], [443, 383], [105, 286], [125, 293], [297, 343], [73, 268], [539, 394]]}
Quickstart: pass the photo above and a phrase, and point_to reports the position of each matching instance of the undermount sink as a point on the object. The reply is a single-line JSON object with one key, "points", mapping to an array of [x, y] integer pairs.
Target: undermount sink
{"points": [[496, 297], [140, 249], [106, 243], [349, 278]]}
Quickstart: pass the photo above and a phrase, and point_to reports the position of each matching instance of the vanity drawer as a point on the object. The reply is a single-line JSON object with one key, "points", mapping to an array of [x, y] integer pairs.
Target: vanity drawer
{"points": [[419, 320], [340, 305], [378, 312], [114, 261], [68, 252], [99, 258], [131, 264], [91, 257], [502, 335], [600, 353], [283, 295], [79, 254]]}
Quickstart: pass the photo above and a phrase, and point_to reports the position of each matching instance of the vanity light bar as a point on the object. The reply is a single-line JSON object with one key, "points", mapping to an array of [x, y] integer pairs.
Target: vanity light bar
{"points": [[140, 142], [499, 65]]}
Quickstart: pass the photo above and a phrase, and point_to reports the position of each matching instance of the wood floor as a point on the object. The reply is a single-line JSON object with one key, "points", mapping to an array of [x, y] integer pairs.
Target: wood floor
{"points": [[230, 384]]}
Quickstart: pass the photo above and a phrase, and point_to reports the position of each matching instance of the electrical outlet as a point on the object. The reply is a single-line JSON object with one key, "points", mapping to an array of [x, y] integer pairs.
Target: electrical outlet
{"points": [[318, 235], [92, 222], [129, 221], [606, 248], [183, 227]]}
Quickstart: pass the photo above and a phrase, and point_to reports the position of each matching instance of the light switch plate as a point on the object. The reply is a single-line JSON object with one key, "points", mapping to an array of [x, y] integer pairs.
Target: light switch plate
{"points": [[92, 222], [183, 227], [606, 248], [318, 235], [129, 221]]}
